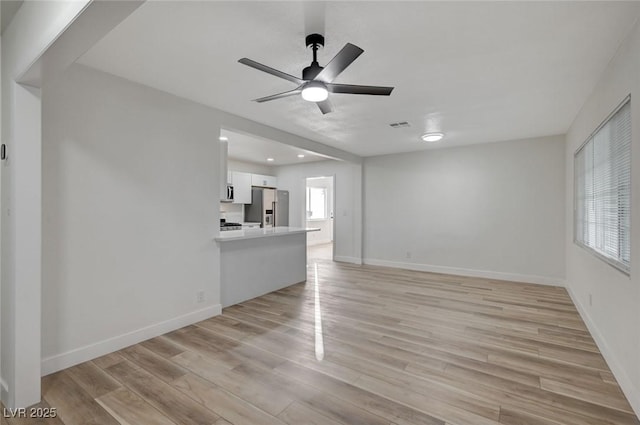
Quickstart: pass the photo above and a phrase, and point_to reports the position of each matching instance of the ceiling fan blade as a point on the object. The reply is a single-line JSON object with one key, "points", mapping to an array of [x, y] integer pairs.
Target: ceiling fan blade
{"points": [[278, 96], [269, 70], [339, 63], [325, 106], [352, 89]]}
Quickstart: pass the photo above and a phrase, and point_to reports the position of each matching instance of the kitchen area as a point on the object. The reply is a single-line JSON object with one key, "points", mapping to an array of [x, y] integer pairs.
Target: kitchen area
{"points": [[253, 202], [259, 251]]}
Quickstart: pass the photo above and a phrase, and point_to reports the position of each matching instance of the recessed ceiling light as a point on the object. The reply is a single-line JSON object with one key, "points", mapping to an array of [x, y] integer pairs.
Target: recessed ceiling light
{"points": [[270, 159], [223, 138], [300, 155], [432, 137]]}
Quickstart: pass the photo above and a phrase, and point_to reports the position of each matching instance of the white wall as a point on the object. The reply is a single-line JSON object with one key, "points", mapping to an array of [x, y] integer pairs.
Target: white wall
{"points": [[250, 167], [130, 209], [484, 210], [614, 315], [348, 198]]}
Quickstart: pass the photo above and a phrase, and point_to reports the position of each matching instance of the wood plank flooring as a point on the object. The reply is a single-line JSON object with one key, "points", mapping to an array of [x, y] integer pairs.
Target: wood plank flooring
{"points": [[359, 345]]}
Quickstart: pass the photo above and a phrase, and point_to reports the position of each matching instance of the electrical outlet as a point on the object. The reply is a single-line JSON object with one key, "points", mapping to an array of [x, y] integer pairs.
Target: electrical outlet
{"points": [[408, 254], [590, 300], [200, 296]]}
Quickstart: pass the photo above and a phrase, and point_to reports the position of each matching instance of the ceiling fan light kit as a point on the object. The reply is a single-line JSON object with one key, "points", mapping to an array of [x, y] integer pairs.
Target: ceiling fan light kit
{"points": [[317, 81], [315, 91]]}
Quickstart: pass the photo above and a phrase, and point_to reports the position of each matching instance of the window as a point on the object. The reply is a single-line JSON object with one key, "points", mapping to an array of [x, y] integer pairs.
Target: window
{"points": [[602, 179], [316, 203]]}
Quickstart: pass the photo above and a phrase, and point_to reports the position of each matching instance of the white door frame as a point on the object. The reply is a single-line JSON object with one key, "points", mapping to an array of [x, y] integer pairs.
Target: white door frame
{"points": [[333, 204]]}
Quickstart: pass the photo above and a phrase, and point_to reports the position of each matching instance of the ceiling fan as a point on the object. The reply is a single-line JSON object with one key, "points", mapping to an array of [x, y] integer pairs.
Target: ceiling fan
{"points": [[316, 82]]}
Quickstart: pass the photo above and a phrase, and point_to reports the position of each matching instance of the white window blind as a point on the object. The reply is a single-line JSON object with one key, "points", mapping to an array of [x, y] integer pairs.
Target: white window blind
{"points": [[602, 208]]}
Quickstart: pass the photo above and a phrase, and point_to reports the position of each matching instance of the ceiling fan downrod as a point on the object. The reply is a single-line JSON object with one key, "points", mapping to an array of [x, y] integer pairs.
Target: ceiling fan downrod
{"points": [[314, 41]]}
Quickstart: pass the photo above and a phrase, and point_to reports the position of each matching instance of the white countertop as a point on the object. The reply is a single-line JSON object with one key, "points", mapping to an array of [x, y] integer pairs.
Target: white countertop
{"points": [[234, 235]]}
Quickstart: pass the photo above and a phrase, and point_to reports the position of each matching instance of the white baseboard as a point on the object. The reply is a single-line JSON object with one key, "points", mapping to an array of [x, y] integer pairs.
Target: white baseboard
{"points": [[318, 242], [352, 260], [79, 355], [626, 384], [513, 277]]}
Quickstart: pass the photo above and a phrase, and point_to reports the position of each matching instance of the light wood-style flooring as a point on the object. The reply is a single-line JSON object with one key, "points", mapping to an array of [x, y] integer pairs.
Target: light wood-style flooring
{"points": [[358, 345]]}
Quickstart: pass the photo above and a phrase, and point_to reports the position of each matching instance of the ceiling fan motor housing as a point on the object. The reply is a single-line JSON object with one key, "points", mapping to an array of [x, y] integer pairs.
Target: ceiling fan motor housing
{"points": [[310, 72], [316, 39]]}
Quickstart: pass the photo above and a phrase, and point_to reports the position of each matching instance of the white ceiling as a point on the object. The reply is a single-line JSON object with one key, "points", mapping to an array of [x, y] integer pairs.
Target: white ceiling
{"points": [[8, 9], [477, 71], [243, 147]]}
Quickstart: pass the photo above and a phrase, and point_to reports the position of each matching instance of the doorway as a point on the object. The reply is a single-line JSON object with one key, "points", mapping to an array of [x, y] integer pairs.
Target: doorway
{"points": [[319, 213]]}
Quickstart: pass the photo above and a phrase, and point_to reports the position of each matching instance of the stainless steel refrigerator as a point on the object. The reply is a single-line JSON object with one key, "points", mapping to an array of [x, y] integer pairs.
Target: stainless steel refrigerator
{"points": [[269, 207]]}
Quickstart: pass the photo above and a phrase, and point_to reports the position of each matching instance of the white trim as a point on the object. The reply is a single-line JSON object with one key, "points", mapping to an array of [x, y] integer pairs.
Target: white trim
{"points": [[352, 260], [626, 383], [319, 242], [4, 390], [79, 355], [616, 264], [513, 277]]}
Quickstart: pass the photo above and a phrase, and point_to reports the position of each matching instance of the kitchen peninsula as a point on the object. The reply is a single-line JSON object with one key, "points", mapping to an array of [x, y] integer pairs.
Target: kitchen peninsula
{"points": [[254, 262]]}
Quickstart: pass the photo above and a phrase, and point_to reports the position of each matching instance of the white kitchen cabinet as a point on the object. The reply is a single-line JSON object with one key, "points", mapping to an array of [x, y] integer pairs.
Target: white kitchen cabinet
{"points": [[241, 187], [264, 181]]}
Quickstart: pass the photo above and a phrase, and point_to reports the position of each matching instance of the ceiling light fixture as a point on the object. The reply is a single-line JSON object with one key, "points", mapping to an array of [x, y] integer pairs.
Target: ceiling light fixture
{"points": [[223, 138], [432, 137], [270, 159], [300, 156], [315, 91]]}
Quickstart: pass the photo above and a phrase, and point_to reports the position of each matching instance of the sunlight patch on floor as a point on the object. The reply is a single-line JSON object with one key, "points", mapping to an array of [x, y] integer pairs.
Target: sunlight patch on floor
{"points": [[318, 316]]}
